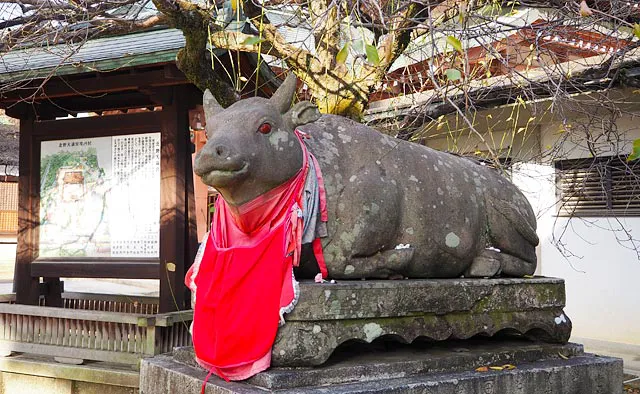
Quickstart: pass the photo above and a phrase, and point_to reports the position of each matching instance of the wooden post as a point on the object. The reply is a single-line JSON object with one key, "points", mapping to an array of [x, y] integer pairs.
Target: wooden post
{"points": [[27, 287], [173, 202], [53, 288], [191, 223], [153, 343]]}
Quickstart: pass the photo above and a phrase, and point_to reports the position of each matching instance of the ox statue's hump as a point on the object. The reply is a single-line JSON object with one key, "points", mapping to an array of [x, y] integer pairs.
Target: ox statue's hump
{"points": [[450, 210]]}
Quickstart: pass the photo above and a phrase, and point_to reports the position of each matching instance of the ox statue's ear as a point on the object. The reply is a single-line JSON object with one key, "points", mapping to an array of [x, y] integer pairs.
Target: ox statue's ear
{"points": [[210, 105], [302, 113], [283, 97]]}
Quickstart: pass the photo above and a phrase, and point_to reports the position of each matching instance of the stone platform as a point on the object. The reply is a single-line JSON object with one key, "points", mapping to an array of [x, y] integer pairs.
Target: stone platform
{"points": [[439, 309], [425, 367], [30, 373], [414, 336]]}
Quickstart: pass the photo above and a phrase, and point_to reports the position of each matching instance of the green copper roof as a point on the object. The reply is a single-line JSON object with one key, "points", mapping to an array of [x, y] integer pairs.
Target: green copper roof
{"points": [[103, 54]]}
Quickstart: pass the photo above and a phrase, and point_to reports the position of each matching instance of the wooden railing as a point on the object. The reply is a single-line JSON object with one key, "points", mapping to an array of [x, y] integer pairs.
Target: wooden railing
{"points": [[111, 303], [93, 327]]}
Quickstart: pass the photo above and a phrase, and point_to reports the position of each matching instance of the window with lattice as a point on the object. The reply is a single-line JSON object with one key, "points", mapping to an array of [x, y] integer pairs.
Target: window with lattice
{"points": [[604, 186], [8, 207]]}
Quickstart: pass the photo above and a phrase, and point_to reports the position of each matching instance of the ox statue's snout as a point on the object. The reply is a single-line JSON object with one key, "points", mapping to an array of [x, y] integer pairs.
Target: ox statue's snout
{"points": [[218, 166]]}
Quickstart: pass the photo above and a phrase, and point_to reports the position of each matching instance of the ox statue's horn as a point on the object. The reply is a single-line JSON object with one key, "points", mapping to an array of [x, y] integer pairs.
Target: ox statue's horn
{"points": [[210, 105], [284, 95]]}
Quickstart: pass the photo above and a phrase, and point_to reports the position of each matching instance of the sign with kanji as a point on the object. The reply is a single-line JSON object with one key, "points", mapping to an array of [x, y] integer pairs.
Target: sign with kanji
{"points": [[100, 197]]}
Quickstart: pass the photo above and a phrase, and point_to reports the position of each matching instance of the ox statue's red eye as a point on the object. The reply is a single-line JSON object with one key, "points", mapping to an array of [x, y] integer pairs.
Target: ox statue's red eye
{"points": [[265, 128]]}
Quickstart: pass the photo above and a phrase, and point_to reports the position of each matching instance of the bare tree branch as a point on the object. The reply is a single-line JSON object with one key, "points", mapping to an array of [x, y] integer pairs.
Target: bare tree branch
{"points": [[194, 23]]}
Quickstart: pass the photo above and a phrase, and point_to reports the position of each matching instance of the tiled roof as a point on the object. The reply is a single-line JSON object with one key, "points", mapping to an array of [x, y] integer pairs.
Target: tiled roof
{"points": [[102, 54]]}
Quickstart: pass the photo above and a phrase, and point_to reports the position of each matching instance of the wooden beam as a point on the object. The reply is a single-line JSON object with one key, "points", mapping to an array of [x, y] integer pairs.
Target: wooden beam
{"points": [[171, 71], [40, 110], [100, 126], [95, 84], [173, 204], [107, 102], [96, 268], [25, 286], [17, 111], [158, 95], [55, 108]]}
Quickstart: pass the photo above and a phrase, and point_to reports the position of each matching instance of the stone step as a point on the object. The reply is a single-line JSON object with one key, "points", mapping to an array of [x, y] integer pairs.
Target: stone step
{"points": [[586, 374], [430, 367], [391, 360]]}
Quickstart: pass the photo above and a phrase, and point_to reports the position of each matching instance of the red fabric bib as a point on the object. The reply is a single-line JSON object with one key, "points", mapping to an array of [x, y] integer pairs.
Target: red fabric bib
{"points": [[244, 280], [236, 313]]}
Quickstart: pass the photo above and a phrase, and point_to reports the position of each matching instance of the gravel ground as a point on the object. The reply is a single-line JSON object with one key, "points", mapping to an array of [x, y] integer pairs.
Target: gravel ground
{"points": [[631, 387]]}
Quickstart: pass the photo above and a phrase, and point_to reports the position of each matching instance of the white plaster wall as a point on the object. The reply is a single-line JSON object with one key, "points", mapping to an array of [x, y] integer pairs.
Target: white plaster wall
{"points": [[601, 267], [601, 270], [602, 279]]}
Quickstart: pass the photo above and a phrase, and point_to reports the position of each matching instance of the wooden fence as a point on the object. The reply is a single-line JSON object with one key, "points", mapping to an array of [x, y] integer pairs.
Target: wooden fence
{"points": [[93, 327]]}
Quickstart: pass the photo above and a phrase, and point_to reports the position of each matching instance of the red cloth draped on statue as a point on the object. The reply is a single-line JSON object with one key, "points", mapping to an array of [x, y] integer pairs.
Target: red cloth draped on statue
{"points": [[244, 281]]}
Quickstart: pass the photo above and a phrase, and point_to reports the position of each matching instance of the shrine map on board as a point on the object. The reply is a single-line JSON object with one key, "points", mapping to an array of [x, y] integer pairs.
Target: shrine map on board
{"points": [[100, 197]]}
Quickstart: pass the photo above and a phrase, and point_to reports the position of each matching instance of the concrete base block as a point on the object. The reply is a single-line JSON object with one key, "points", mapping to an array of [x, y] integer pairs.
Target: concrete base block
{"points": [[434, 368], [33, 374], [16, 384]]}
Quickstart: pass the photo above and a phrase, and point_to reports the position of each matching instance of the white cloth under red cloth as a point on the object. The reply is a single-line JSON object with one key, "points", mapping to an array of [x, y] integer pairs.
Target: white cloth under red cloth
{"points": [[243, 275]]}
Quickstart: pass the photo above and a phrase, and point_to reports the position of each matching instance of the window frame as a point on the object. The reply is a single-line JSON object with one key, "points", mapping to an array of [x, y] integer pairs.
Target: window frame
{"points": [[9, 214], [610, 187]]}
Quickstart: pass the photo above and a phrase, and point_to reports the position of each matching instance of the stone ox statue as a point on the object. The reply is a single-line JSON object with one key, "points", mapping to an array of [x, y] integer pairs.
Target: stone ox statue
{"points": [[456, 216]]}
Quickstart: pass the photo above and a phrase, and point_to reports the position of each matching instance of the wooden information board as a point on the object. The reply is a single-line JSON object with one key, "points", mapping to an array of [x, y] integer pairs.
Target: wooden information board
{"points": [[107, 197]]}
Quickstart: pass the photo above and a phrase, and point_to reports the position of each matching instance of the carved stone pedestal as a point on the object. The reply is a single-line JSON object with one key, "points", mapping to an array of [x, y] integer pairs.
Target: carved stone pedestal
{"points": [[427, 336], [439, 309]]}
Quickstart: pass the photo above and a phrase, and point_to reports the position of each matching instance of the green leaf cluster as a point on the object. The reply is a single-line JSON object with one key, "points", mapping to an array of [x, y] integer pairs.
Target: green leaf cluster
{"points": [[635, 153]]}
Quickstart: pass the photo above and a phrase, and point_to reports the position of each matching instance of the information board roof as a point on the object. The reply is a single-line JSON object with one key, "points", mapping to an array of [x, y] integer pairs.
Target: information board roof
{"points": [[103, 54]]}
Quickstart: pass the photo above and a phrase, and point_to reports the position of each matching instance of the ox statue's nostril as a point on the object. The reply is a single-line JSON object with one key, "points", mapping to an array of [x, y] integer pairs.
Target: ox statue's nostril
{"points": [[220, 150]]}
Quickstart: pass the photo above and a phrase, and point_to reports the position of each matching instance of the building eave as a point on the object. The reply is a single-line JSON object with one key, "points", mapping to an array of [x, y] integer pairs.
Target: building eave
{"points": [[101, 55], [404, 105]]}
